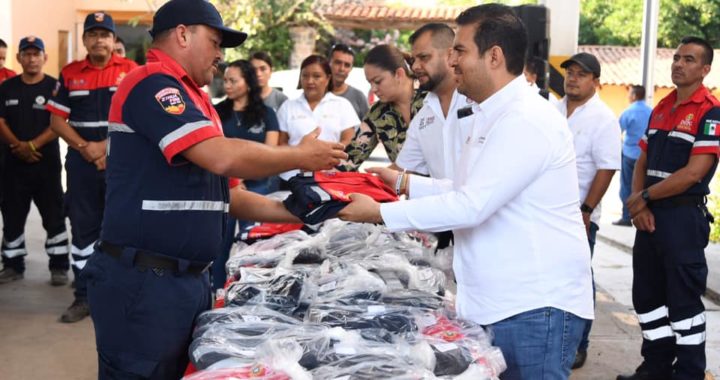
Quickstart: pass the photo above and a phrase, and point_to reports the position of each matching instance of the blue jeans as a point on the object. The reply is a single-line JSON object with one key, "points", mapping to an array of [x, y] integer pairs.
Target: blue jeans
{"points": [[585, 341], [538, 344], [626, 174]]}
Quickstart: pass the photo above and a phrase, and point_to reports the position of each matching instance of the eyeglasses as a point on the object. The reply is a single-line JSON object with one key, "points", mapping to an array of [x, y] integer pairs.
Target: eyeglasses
{"points": [[342, 48]]}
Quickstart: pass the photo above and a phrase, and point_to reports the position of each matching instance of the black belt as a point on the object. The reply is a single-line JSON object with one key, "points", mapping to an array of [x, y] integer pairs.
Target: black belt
{"points": [[146, 259], [677, 201]]}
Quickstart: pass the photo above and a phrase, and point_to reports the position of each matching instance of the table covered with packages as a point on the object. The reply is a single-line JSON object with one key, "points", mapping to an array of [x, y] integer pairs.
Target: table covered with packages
{"points": [[341, 301]]}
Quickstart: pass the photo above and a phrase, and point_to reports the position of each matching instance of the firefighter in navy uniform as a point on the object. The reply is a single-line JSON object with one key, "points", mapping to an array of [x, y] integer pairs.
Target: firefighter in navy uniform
{"points": [[168, 199], [79, 115], [670, 182], [33, 166]]}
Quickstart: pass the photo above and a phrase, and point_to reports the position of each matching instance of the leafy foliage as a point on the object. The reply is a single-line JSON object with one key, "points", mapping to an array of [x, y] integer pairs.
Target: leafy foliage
{"points": [[267, 24], [619, 22]]}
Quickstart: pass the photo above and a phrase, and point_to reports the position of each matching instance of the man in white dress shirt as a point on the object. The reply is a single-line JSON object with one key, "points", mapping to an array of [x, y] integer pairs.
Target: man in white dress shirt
{"points": [[522, 261], [596, 136]]}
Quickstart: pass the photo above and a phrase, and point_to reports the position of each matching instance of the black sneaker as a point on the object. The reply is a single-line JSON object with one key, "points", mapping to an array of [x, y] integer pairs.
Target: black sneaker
{"points": [[76, 312], [580, 358], [622, 222], [8, 275], [58, 277], [643, 373]]}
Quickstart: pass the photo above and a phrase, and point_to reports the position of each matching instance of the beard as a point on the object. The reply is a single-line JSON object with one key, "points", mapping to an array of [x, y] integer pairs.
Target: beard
{"points": [[432, 82]]}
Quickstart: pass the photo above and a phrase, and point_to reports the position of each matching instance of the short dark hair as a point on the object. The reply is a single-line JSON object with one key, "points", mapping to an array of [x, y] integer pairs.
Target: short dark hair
{"points": [[638, 92], [707, 49], [2, 43], [262, 56], [120, 40], [343, 48], [535, 65], [324, 65], [389, 58], [442, 35], [498, 25]]}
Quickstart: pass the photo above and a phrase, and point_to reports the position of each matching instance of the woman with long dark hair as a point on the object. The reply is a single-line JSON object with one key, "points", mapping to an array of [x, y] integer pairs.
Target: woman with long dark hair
{"points": [[316, 107], [388, 72], [244, 116]]}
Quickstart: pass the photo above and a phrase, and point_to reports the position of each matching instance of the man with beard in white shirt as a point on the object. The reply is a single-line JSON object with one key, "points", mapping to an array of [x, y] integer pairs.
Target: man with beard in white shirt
{"points": [[522, 261]]}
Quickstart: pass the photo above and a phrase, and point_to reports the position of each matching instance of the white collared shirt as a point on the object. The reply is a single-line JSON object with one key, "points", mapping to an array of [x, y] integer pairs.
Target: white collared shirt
{"points": [[334, 114], [513, 206], [434, 142], [597, 140]]}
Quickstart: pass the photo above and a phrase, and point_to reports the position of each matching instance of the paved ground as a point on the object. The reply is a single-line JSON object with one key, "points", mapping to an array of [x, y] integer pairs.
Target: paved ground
{"points": [[33, 345]]}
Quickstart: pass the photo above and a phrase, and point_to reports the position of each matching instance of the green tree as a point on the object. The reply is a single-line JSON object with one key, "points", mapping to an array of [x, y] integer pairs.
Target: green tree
{"points": [[266, 22], [619, 22]]}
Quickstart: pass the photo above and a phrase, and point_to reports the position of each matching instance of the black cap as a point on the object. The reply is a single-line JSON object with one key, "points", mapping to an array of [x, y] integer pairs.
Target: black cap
{"points": [[30, 42], [194, 12], [587, 61], [99, 20]]}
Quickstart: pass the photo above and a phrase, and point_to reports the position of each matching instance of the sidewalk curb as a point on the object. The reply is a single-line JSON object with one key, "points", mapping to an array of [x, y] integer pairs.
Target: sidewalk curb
{"points": [[711, 294]]}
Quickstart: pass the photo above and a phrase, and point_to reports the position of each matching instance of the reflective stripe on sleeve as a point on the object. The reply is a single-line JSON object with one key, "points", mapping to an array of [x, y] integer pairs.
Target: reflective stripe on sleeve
{"points": [[119, 127], [88, 124], [182, 131]]}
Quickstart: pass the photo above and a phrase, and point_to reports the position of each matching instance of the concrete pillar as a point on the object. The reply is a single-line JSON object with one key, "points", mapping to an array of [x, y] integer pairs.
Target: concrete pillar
{"points": [[303, 38]]}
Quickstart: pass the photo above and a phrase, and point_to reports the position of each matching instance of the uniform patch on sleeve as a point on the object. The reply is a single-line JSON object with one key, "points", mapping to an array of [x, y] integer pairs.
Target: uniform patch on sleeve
{"points": [[171, 100], [711, 127]]}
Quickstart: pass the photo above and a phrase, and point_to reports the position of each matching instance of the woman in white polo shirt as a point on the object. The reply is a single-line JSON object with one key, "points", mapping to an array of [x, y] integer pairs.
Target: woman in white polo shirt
{"points": [[316, 107]]}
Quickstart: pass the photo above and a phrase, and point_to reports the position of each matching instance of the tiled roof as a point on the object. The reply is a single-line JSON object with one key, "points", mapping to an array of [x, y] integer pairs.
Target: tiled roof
{"points": [[623, 66], [388, 15]]}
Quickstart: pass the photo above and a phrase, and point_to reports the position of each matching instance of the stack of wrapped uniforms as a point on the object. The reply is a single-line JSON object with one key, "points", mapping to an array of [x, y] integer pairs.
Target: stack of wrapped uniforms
{"points": [[351, 301]]}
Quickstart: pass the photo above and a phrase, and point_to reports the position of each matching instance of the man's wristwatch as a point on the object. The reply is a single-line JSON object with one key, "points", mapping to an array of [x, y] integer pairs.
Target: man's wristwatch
{"points": [[586, 209], [645, 195]]}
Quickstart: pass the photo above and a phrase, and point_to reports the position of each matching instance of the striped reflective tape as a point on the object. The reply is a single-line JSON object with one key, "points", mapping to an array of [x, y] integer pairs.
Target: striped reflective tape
{"points": [[658, 173], [119, 127], [690, 340], [687, 324], [658, 333], [150, 205], [182, 132], [88, 124], [654, 315], [15, 243], [79, 93], [63, 236], [10, 253], [682, 135]]}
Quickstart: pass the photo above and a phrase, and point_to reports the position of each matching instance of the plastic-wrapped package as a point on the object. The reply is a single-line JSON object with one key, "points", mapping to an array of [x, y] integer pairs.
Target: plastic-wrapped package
{"points": [[238, 315], [277, 289], [255, 372], [344, 283], [371, 367], [375, 321], [268, 253], [410, 276]]}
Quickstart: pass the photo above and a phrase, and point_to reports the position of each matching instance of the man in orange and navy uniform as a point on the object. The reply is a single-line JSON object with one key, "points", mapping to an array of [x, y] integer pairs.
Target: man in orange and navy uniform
{"points": [[670, 182], [79, 115], [168, 197]]}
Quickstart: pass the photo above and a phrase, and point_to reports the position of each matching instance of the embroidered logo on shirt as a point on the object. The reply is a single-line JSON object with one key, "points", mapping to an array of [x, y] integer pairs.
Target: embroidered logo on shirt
{"points": [[711, 127], [687, 123], [171, 100], [40, 99], [120, 77]]}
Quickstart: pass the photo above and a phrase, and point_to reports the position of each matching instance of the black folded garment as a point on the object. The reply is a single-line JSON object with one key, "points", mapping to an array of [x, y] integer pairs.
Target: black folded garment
{"points": [[452, 359], [281, 293], [319, 196]]}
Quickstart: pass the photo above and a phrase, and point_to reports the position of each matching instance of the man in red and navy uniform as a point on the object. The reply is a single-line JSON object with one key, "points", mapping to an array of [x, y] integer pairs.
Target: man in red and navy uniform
{"points": [[79, 115], [33, 166], [670, 182], [168, 199], [5, 73]]}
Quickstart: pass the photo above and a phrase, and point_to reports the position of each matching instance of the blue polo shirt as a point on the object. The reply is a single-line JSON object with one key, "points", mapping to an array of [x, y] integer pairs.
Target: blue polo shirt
{"points": [[633, 122], [156, 199]]}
